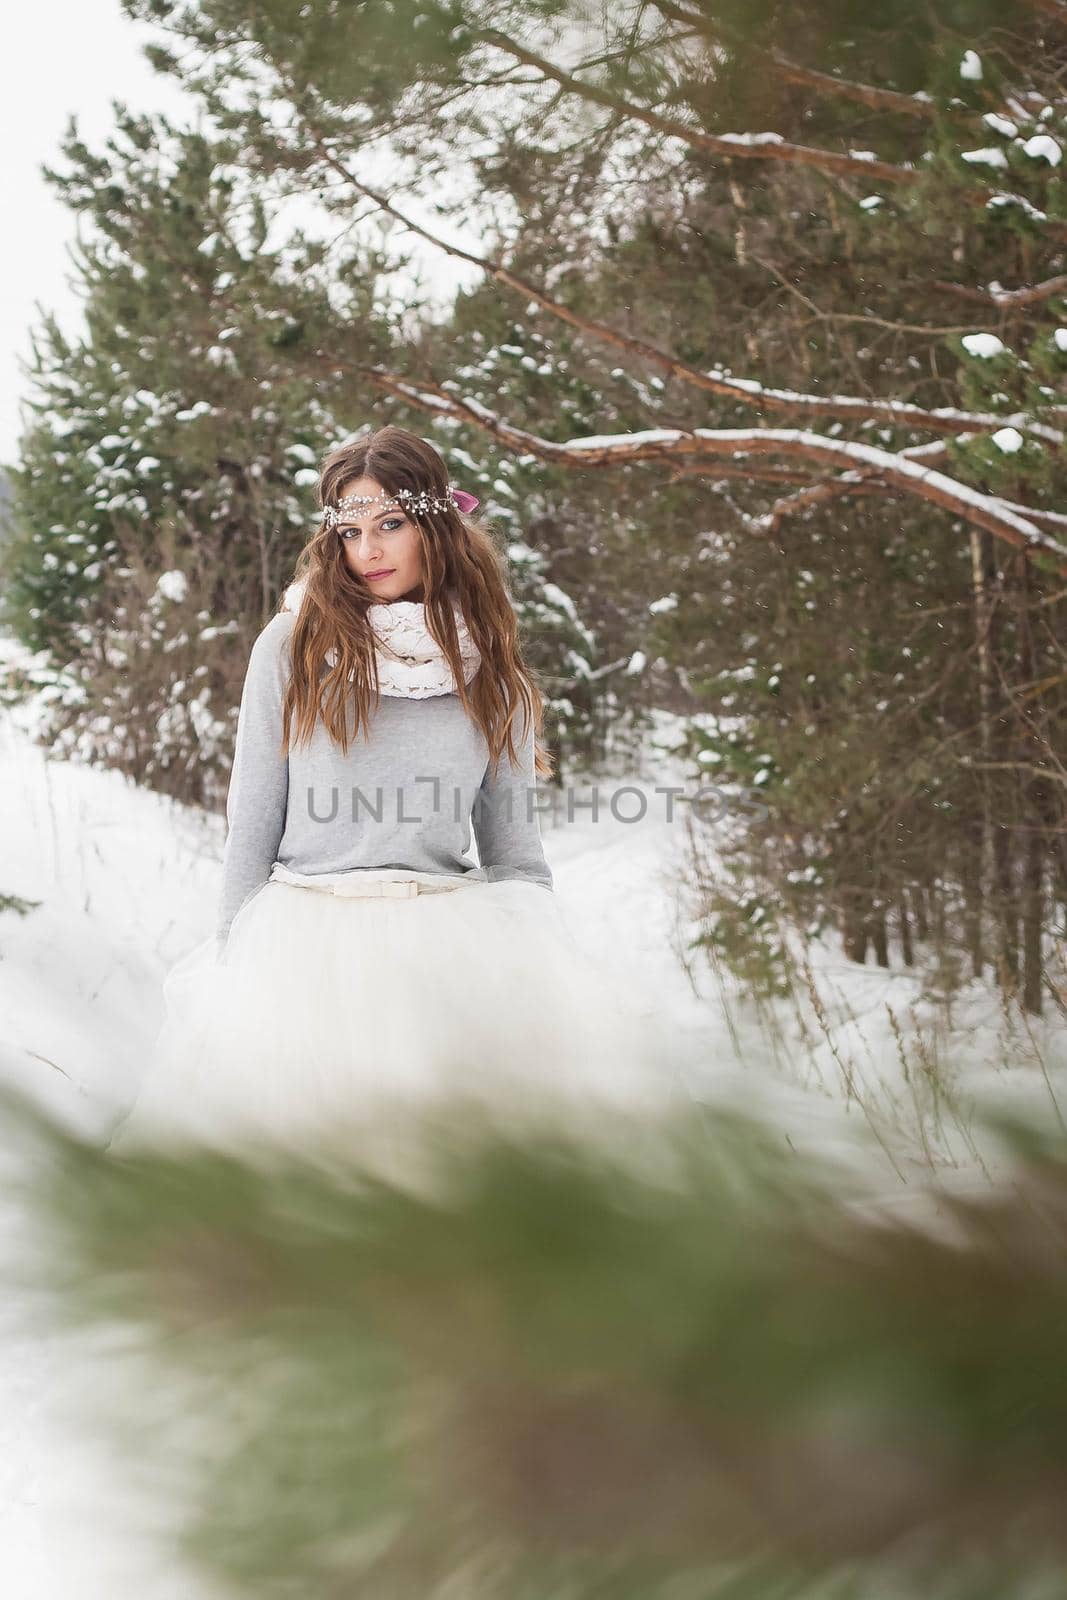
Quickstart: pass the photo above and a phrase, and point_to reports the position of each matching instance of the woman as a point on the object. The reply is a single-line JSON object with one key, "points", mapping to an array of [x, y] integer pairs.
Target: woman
{"points": [[362, 965]]}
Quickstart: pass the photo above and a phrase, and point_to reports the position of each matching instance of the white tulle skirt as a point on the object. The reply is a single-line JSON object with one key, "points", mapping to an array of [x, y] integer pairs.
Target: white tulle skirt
{"points": [[330, 1018]]}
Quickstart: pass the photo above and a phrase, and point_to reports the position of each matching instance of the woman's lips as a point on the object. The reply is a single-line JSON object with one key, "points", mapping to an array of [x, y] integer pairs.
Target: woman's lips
{"points": [[372, 576]]}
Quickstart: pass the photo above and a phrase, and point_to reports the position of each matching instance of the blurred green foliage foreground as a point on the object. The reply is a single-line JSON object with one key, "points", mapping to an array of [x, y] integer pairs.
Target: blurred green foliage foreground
{"points": [[552, 1373]]}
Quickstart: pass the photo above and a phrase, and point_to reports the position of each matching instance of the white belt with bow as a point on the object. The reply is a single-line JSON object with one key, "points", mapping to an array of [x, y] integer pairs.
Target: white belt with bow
{"points": [[361, 884]]}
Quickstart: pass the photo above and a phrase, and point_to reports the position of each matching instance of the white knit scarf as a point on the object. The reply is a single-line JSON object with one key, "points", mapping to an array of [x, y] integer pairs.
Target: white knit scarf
{"points": [[410, 661]]}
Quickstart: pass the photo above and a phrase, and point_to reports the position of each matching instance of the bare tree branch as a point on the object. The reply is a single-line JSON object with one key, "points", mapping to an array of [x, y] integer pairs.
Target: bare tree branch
{"points": [[847, 483], [818, 315], [746, 391], [740, 146], [908, 475], [1007, 299], [1052, 8], [866, 481], [865, 94], [850, 483], [1013, 766], [766, 146], [758, 471]]}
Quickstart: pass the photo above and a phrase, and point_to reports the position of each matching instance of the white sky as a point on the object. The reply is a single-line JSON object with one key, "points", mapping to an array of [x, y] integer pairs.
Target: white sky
{"points": [[60, 57], [64, 57]]}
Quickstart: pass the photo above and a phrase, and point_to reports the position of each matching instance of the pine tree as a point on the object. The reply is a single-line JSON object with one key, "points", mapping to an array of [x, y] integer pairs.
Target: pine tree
{"points": [[768, 243]]}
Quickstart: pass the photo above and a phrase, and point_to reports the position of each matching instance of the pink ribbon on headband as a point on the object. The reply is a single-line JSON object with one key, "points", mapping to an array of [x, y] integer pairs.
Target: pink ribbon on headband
{"points": [[465, 501]]}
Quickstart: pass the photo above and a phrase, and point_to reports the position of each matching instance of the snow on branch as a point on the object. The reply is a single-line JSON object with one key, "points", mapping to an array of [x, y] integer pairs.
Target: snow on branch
{"points": [[747, 391], [1006, 299], [867, 481], [910, 474], [753, 146], [898, 413], [761, 146], [907, 473], [863, 481]]}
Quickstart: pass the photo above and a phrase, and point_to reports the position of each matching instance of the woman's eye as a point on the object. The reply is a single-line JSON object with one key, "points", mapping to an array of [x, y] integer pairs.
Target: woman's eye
{"points": [[387, 527]]}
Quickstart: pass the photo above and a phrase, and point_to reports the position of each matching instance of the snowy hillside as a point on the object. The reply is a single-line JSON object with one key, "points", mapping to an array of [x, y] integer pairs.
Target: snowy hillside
{"points": [[123, 882]]}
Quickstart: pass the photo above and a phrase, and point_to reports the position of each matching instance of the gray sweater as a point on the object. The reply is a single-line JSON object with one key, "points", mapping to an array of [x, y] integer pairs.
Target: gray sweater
{"points": [[407, 796]]}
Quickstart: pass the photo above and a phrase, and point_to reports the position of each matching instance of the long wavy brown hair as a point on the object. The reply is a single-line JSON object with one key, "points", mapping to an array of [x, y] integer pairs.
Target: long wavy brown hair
{"points": [[460, 563]]}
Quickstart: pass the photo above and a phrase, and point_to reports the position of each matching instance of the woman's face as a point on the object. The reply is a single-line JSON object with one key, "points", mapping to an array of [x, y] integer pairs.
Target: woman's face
{"points": [[381, 539]]}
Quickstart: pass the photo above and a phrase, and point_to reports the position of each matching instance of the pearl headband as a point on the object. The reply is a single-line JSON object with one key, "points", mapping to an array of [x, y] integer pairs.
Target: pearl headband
{"points": [[407, 499]]}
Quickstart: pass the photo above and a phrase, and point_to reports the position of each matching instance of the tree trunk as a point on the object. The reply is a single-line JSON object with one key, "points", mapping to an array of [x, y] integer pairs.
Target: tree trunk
{"points": [[976, 874], [1007, 910], [1033, 920], [879, 937], [1003, 748], [855, 930], [974, 841], [1034, 751], [906, 950]]}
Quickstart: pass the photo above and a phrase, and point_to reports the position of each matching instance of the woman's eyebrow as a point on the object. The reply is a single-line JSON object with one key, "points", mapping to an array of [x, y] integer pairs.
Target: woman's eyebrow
{"points": [[348, 521]]}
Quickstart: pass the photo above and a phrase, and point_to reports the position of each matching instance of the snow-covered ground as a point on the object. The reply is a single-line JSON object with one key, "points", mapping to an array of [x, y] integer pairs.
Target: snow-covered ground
{"points": [[124, 882]]}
